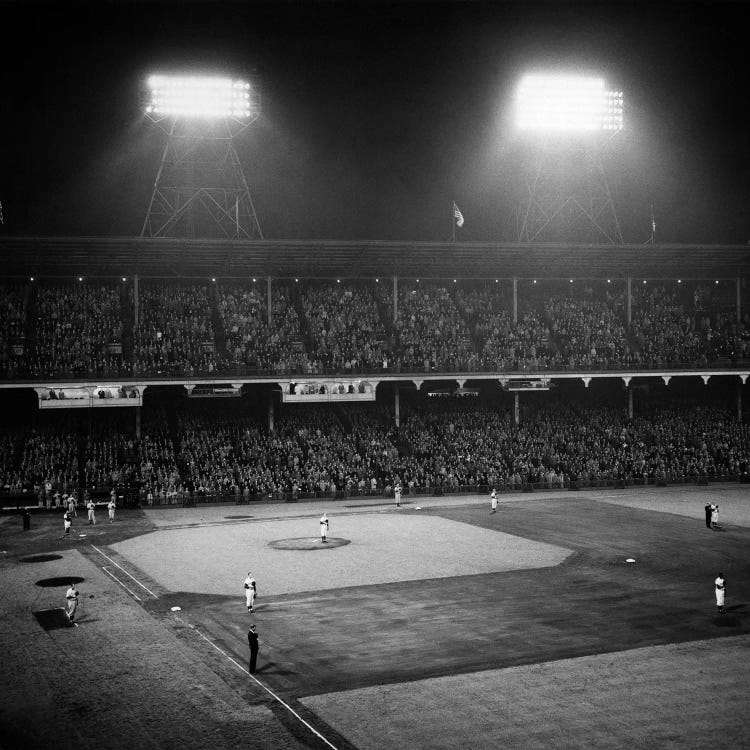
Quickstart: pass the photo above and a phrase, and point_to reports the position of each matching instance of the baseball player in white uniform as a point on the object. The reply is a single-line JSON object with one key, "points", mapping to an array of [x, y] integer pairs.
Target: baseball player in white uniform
{"points": [[67, 523], [493, 501], [323, 528], [92, 511], [251, 592], [720, 584], [72, 596], [397, 494], [111, 508]]}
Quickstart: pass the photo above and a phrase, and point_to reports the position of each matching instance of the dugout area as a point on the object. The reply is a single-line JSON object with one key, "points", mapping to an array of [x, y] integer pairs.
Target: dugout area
{"points": [[450, 627]]}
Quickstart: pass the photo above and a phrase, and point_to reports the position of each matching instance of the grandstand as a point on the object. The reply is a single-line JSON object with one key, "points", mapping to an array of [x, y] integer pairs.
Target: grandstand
{"points": [[133, 328], [226, 392]]}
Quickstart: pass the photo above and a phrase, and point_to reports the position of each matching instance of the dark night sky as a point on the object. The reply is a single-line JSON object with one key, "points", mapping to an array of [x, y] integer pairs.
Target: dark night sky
{"points": [[376, 115]]}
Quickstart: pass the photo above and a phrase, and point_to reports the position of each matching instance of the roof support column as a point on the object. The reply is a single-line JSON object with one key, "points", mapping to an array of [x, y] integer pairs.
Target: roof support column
{"points": [[135, 302], [395, 298], [515, 300], [739, 299], [268, 301], [397, 406], [739, 401], [626, 380], [630, 402], [629, 299]]}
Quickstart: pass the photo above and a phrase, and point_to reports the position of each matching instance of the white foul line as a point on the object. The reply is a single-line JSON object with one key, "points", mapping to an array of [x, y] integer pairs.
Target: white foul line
{"points": [[268, 690], [114, 577], [126, 572], [236, 663]]}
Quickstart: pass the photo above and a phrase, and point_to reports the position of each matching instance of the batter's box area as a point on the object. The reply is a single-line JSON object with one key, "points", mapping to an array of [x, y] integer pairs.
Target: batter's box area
{"points": [[53, 619], [383, 548]]}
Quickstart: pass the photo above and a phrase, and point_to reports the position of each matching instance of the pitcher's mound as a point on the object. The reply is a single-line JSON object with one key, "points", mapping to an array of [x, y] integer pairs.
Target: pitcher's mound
{"points": [[309, 542]]}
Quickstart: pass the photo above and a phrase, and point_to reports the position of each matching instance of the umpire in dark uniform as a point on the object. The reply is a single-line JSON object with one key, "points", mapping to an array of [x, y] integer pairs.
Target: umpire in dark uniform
{"points": [[708, 515], [252, 640]]}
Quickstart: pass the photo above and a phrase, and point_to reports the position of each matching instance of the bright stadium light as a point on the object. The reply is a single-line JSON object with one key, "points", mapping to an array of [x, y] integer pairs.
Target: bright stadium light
{"points": [[567, 103], [200, 188], [199, 97]]}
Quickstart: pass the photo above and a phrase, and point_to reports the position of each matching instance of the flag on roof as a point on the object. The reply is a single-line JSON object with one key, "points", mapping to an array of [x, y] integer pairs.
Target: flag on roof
{"points": [[457, 215]]}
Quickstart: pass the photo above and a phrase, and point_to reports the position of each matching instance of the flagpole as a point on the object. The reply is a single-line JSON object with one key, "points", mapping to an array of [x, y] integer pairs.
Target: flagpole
{"points": [[453, 221], [650, 240], [653, 224]]}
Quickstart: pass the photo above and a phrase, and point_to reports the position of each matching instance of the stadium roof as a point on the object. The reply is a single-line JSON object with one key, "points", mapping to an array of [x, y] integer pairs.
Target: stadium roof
{"points": [[177, 258]]}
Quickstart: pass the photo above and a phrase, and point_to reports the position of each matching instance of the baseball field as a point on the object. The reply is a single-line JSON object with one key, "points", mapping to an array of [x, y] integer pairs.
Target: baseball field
{"points": [[564, 620]]}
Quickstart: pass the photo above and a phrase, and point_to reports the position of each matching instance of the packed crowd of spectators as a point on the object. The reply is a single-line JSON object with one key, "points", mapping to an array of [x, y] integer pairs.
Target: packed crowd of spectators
{"points": [[13, 303], [254, 341], [429, 331], [587, 331], [220, 449], [77, 331], [184, 329], [345, 330], [663, 330], [42, 459], [174, 334]]}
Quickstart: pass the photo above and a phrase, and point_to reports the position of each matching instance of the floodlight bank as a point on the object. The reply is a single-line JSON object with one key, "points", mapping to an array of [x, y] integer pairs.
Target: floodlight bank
{"points": [[567, 103], [198, 96]]}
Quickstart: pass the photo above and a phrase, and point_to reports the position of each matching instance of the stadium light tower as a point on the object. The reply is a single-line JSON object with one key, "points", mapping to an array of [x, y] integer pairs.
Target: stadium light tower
{"points": [[200, 189], [565, 121]]}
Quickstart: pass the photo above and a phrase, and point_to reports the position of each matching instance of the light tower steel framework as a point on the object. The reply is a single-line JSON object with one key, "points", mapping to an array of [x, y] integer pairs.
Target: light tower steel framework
{"points": [[565, 193], [200, 190]]}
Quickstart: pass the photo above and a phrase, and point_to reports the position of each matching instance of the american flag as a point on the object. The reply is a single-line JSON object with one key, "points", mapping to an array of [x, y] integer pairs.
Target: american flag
{"points": [[457, 215]]}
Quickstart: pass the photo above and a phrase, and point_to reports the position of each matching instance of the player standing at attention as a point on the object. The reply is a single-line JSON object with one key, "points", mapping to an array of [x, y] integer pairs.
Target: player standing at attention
{"points": [[72, 597], [92, 511], [111, 508], [251, 592], [493, 501], [397, 494], [252, 640], [721, 585], [324, 528]]}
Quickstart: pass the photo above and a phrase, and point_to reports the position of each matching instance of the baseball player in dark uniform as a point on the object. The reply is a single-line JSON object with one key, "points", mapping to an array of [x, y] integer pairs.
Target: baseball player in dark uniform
{"points": [[252, 640]]}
